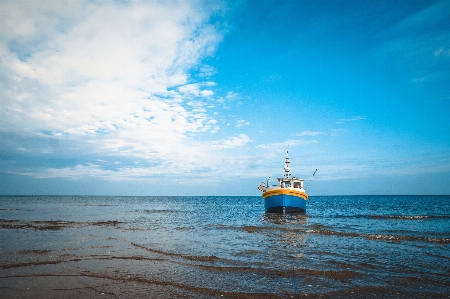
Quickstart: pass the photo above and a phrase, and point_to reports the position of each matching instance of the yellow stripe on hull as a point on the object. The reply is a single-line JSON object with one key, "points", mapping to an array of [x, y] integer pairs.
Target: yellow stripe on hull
{"points": [[286, 192]]}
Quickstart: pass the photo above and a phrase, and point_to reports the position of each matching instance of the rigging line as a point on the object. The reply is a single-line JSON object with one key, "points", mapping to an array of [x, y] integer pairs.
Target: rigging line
{"points": [[311, 179]]}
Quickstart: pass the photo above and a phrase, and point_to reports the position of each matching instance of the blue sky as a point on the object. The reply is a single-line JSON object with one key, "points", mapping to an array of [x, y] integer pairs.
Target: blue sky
{"points": [[205, 97]]}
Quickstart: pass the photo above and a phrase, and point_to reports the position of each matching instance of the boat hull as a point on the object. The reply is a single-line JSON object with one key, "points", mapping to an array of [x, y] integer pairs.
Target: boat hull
{"points": [[285, 201]]}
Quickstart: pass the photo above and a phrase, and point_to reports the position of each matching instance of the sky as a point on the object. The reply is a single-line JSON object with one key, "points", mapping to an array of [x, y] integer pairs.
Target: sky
{"points": [[205, 97]]}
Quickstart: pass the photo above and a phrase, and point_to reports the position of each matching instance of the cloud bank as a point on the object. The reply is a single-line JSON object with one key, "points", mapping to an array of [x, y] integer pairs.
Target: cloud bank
{"points": [[109, 79]]}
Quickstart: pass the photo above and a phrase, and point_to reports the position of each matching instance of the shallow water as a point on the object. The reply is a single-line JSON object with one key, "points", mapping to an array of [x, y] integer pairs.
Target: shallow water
{"points": [[209, 247]]}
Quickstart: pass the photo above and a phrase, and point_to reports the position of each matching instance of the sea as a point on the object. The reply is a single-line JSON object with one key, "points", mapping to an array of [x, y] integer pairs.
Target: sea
{"points": [[224, 247]]}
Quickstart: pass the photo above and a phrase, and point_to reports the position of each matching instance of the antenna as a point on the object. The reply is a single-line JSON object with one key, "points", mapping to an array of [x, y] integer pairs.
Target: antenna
{"points": [[311, 178]]}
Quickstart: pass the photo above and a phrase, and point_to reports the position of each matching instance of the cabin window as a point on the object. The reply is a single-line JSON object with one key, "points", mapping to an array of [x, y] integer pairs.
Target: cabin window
{"points": [[296, 184]]}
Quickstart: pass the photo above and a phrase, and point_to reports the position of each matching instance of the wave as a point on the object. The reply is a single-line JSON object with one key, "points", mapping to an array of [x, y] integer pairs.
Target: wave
{"points": [[52, 224], [395, 217], [214, 263], [317, 229], [395, 238], [149, 211], [410, 217], [210, 258], [382, 237]]}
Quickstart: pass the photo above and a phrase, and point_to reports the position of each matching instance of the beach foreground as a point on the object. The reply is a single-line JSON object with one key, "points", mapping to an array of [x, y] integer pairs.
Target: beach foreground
{"points": [[111, 247]]}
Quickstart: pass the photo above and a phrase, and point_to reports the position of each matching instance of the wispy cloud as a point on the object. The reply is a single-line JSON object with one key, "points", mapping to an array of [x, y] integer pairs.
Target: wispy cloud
{"points": [[241, 123], [235, 141], [231, 95], [442, 52], [310, 133], [277, 146], [354, 118], [337, 132]]}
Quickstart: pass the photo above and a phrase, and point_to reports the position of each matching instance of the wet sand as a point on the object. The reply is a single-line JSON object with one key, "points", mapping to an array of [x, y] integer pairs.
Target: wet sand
{"points": [[103, 266]]}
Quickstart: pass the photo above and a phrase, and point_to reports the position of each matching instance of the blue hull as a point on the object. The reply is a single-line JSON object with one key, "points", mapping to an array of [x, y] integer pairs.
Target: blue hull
{"points": [[284, 203]]}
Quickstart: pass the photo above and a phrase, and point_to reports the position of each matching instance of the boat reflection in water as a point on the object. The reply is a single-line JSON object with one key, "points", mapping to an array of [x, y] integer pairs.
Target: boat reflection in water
{"points": [[288, 233], [291, 218]]}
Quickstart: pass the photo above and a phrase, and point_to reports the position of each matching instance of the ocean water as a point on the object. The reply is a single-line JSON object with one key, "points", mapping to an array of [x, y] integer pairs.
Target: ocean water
{"points": [[215, 247]]}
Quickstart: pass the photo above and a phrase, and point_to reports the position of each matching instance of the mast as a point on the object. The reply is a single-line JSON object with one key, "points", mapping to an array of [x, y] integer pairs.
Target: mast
{"points": [[287, 169]]}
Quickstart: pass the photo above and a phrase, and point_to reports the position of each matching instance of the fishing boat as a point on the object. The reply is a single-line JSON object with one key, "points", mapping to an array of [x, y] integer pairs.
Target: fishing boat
{"points": [[287, 195]]}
